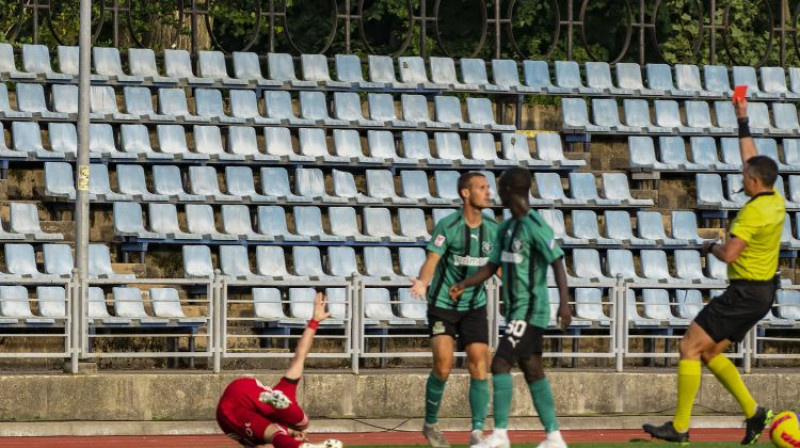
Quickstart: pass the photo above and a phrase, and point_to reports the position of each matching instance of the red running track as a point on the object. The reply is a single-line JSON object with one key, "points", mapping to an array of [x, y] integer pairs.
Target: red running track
{"points": [[379, 438]]}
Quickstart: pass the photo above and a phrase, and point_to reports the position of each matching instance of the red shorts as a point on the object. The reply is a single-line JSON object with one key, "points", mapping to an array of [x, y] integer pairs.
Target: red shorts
{"points": [[245, 419]]}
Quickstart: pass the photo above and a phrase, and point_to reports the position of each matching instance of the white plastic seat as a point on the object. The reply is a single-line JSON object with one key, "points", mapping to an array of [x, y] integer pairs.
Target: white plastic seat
{"points": [[24, 219], [168, 181], [236, 221], [197, 262], [129, 304], [163, 220], [100, 264], [200, 221]]}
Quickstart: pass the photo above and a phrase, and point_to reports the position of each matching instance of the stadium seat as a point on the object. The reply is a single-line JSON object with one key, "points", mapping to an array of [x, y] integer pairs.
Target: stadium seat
{"points": [[24, 219], [657, 306], [240, 182], [313, 143], [411, 307], [36, 61], [689, 301], [473, 72], [380, 184], [412, 72], [448, 147], [344, 224], [275, 182], [178, 65], [381, 109], [615, 189], [172, 140], [568, 76], [267, 305], [15, 306], [347, 144], [710, 193], [650, 226], [52, 301], [21, 261], [271, 262], [236, 221], [415, 111], [208, 141], [64, 98], [246, 66], [235, 263], [203, 182], [506, 75], [209, 106], [378, 223], [378, 262], [382, 73], [642, 155], [716, 80], [555, 219], [197, 262], [129, 304], [589, 306], [548, 149], [551, 191], [308, 262], [684, 227], [211, 65], [618, 226], [698, 116], [31, 99], [342, 261], [166, 304], [378, 308], [200, 221], [278, 143], [619, 262], [575, 117], [747, 76], [100, 264], [344, 186], [347, 107], [629, 77], [415, 188], [412, 224], [168, 180], [58, 260], [598, 77], [128, 222], [655, 267], [687, 79], [659, 78], [637, 115], [585, 227], [788, 305], [668, 116], [583, 189], [281, 69], [773, 80], [308, 222], [27, 139], [785, 115], [310, 182], [314, 68], [163, 220], [482, 148], [688, 267], [271, 221], [135, 142], [606, 115], [142, 63], [244, 109], [314, 108], [586, 266], [704, 154], [443, 72]]}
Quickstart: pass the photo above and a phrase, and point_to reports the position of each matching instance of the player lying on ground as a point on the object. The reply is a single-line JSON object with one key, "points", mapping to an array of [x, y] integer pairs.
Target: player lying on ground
{"points": [[525, 247], [257, 415], [460, 245], [751, 252]]}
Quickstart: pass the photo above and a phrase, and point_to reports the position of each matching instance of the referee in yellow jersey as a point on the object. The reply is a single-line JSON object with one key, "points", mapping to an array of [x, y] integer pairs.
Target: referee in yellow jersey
{"points": [[751, 253]]}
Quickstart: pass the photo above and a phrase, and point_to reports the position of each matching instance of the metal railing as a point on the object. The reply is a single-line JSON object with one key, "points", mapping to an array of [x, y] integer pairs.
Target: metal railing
{"points": [[225, 325]]}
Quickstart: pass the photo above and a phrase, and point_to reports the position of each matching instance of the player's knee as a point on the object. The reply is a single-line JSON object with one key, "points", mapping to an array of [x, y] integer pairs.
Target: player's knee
{"points": [[688, 348], [532, 369], [500, 365], [442, 371]]}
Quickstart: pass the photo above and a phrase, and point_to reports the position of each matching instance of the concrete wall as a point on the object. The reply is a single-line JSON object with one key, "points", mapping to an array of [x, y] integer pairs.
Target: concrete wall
{"points": [[193, 396]]}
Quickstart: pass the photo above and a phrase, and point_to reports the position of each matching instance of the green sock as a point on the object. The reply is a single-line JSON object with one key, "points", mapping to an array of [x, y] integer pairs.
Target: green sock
{"points": [[478, 401], [544, 403], [503, 391], [434, 390]]}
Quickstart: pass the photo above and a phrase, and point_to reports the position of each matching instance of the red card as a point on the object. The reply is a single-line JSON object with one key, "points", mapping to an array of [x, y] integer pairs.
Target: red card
{"points": [[740, 92]]}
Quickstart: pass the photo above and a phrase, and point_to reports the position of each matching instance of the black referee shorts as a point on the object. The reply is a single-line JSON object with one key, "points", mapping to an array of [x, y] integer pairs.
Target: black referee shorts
{"points": [[731, 315]]}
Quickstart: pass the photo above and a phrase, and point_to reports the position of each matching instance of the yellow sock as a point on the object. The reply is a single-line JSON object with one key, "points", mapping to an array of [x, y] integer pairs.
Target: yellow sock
{"points": [[688, 385], [726, 373]]}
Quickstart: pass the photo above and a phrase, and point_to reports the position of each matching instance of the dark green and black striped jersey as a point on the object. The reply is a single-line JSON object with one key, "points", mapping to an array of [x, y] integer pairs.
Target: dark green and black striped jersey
{"points": [[524, 249], [463, 251]]}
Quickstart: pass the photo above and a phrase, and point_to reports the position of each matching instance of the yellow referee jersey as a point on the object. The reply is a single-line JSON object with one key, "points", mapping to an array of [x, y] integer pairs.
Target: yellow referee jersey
{"points": [[760, 224]]}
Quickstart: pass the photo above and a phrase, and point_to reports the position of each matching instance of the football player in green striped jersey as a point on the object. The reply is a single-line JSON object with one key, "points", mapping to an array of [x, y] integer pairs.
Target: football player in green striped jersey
{"points": [[525, 248], [460, 244]]}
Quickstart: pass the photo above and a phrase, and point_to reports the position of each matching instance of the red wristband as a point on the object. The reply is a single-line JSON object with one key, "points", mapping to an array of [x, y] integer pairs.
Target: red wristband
{"points": [[313, 324]]}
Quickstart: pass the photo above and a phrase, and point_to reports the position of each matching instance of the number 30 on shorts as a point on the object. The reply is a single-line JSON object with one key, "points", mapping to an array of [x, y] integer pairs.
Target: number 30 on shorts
{"points": [[516, 328]]}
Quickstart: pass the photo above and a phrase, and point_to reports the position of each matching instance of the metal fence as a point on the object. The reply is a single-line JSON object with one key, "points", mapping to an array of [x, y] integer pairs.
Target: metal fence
{"points": [[642, 34], [222, 320]]}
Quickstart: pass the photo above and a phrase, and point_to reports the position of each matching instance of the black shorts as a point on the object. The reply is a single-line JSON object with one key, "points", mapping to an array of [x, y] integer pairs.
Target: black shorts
{"points": [[467, 326], [731, 315], [520, 341]]}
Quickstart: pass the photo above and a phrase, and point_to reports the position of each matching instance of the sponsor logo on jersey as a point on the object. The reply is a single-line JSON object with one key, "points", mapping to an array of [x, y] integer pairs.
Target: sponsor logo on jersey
{"points": [[510, 257], [516, 245], [439, 241], [486, 247], [438, 327], [469, 261]]}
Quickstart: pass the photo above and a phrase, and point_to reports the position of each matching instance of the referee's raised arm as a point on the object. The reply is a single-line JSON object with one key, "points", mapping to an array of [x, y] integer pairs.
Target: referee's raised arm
{"points": [[747, 146]]}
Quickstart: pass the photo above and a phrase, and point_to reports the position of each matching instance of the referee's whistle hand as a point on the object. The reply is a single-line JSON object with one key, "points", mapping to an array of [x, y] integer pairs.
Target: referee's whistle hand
{"points": [[564, 317]]}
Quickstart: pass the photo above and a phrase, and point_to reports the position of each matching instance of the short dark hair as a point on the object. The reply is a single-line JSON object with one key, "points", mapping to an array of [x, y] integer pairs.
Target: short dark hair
{"points": [[516, 181], [464, 181], [763, 168]]}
